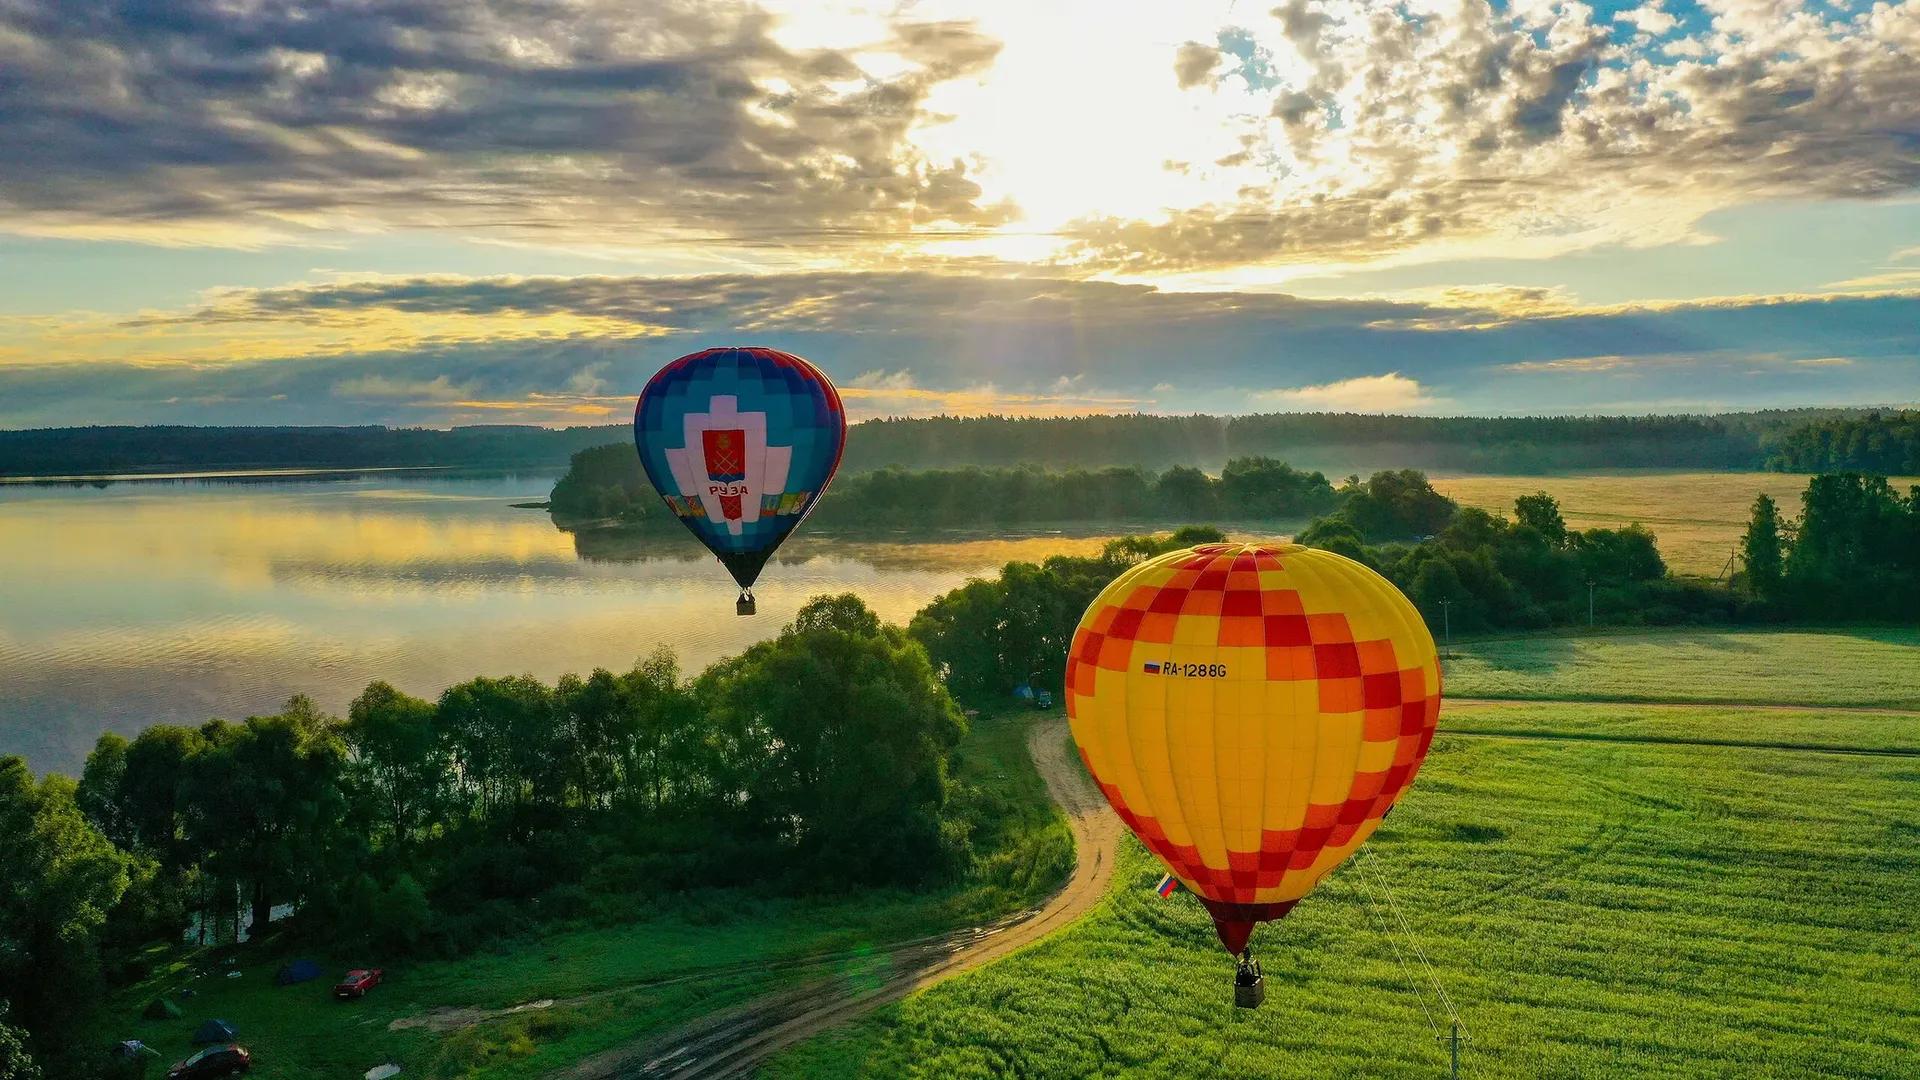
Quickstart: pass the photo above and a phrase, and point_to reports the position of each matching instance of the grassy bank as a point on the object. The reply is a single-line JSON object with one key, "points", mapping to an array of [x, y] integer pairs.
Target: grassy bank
{"points": [[1865, 667], [1593, 909], [606, 985]]}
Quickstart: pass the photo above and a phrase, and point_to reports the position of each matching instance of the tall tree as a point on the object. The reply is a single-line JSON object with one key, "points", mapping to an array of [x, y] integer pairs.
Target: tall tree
{"points": [[59, 877], [1541, 513], [399, 762], [856, 731], [267, 802], [1762, 547]]}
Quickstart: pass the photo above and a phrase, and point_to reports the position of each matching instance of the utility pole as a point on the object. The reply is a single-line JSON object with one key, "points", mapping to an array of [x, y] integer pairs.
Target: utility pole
{"points": [[1446, 621], [1454, 1046], [1589, 605]]}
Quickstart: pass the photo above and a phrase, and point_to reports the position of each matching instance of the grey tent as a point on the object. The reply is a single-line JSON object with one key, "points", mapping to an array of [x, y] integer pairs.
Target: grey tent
{"points": [[161, 1009], [215, 1031], [297, 972]]}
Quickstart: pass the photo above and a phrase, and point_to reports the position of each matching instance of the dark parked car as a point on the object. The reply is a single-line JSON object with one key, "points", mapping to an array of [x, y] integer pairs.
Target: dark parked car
{"points": [[213, 1061], [356, 984]]}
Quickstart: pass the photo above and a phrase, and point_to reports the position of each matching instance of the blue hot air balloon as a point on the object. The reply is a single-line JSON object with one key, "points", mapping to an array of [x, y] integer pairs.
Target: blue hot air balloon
{"points": [[740, 443]]}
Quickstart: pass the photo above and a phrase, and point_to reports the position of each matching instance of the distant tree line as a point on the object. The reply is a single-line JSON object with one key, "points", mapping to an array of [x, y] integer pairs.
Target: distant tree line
{"points": [[820, 759], [110, 450], [1504, 444], [1853, 553], [1889, 445], [1500, 444], [606, 483]]}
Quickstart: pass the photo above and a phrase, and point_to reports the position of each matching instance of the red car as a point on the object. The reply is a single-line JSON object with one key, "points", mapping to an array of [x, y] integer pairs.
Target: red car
{"points": [[213, 1061], [356, 984]]}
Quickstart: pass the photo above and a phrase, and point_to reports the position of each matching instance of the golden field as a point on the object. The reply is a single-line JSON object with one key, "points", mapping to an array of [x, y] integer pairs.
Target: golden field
{"points": [[1698, 516]]}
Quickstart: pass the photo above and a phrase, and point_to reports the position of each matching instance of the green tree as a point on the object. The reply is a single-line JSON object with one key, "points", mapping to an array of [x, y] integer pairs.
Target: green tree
{"points": [[59, 877], [505, 743], [267, 804], [1541, 512], [15, 1062], [846, 613], [1262, 487], [400, 770], [101, 783], [1619, 556], [1762, 548], [1185, 491], [1856, 551], [1398, 505], [853, 732], [1336, 535], [148, 805]]}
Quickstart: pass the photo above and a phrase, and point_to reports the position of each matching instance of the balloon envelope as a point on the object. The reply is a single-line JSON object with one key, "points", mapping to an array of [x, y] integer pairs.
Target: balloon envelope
{"points": [[740, 443], [1252, 712]]}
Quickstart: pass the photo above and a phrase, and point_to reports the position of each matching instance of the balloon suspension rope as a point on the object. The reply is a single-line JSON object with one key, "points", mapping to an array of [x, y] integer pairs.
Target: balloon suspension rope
{"points": [[1388, 920]]}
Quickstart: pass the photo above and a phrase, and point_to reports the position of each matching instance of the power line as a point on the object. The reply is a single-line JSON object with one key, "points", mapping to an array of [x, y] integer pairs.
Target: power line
{"points": [[1367, 866]]}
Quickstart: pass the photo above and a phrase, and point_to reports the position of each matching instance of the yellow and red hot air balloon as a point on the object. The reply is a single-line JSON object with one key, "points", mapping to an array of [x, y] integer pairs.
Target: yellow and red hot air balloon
{"points": [[1252, 711]]}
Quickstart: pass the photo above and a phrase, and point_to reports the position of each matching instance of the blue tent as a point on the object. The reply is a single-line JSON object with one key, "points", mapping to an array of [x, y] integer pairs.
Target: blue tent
{"points": [[297, 972], [215, 1031]]}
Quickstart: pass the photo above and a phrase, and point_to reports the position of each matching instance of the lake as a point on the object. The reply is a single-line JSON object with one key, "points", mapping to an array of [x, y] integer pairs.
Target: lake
{"points": [[173, 602]]}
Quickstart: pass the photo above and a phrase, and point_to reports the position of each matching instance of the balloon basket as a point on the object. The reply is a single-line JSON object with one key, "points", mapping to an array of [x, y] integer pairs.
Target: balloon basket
{"points": [[744, 605], [1249, 985]]}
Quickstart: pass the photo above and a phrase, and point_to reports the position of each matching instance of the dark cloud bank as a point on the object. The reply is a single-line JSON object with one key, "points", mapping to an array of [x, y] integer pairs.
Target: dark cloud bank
{"points": [[1169, 351], [515, 113]]}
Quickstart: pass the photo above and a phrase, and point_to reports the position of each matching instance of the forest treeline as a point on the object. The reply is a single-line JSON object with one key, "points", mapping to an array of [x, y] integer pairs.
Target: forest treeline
{"points": [[87, 451], [1853, 553], [1472, 444], [1875, 443], [606, 484], [1323, 440]]}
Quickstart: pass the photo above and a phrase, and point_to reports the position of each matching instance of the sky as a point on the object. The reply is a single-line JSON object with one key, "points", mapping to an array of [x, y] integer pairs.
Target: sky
{"points": [[418, 213]]}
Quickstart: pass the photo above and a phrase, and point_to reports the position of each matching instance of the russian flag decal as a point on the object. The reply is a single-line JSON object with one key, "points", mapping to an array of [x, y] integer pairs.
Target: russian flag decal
{"points": [[1166, 886], [1151, 667]]}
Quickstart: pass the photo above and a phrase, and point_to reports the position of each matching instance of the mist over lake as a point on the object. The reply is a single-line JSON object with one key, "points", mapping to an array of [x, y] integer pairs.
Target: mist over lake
{"points": [[174, 602]]}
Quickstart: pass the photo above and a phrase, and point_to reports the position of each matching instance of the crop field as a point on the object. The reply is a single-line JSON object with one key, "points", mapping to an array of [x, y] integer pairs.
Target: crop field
{"points": [[1593, 909], [602, 987], [1705, 725], [1698, 516], [1855, 667]]}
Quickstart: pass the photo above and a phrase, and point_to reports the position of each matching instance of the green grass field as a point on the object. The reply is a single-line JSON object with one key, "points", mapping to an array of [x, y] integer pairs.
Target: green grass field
{"points": [[1593, 910], [594, 975], [1894, 733], [1864, 667]]}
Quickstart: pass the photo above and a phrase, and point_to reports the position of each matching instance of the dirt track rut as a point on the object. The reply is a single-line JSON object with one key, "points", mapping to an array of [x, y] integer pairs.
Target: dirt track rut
{"points": [[733, 1042]]}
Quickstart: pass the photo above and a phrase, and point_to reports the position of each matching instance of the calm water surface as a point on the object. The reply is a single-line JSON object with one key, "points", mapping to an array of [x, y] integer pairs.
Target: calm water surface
{"points": [[147, 603]]}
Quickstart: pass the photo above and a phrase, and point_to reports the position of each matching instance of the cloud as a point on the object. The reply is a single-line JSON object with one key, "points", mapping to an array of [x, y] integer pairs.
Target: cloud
{"points": [[883, 380], [1577, 363], [201, 119], [1330, 132], [1534, 127], [1194, 64], [916, 343], [1391, 392], [377, 386]]}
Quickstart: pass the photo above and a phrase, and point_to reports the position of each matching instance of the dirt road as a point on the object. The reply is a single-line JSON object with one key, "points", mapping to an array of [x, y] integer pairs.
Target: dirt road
{"points": [[732, 1043]]}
